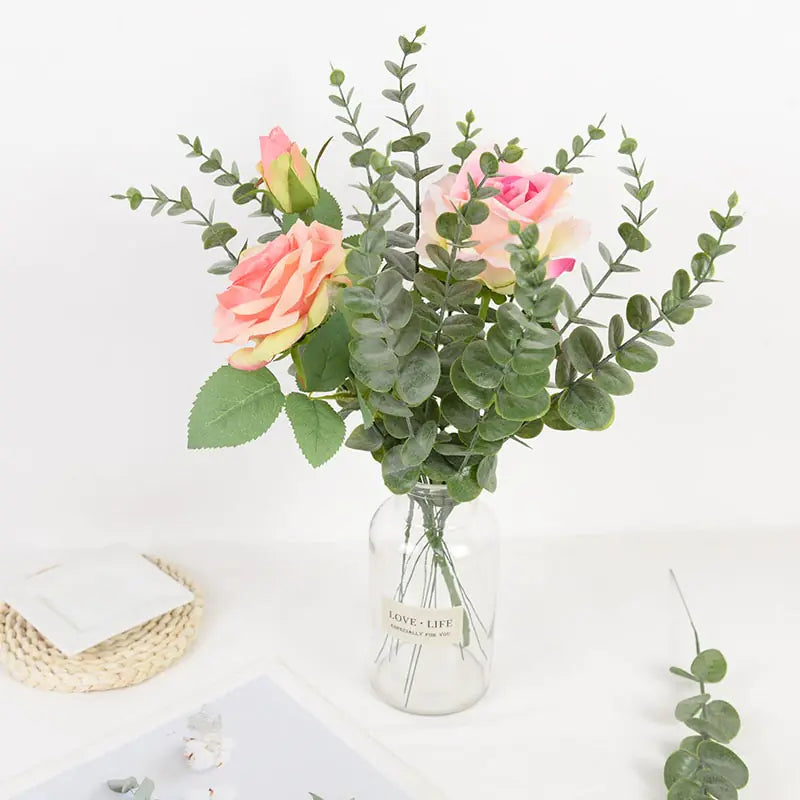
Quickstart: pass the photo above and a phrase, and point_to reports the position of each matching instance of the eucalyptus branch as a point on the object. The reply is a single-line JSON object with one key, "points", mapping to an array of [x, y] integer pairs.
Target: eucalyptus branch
{"points": [[629, 231], [702, 766], [579, 145], [216, 234], [466, 146], [682, 296], [245, 191]]}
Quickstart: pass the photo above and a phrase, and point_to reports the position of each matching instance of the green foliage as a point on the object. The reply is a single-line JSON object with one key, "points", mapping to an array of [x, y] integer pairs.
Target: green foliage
{"points": [[318, 429], [703, 767], [443, 369], [233, 407]]}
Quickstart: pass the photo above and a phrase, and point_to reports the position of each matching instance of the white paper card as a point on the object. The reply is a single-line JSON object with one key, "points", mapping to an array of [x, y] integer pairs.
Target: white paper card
{"points": [[94, 595]]}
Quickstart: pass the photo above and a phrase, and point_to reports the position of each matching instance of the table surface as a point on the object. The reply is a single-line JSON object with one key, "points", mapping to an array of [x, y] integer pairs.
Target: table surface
{"points": [[581, 701]]}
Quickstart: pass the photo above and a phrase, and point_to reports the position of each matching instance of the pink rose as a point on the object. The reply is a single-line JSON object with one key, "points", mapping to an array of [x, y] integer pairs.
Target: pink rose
{"points": [[287, 175], [524, 197], [279, 291]]}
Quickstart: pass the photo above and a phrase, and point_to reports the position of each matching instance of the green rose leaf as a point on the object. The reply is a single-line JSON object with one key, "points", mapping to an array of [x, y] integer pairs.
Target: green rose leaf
{"points": [[724, 763], [362, 438], [710, 666], [418, 375], [637, 357], [327, 210], [680, 765], [584, 349], [586, 406], [233, 407], [399, 478], [323, 359], [318, 429]]}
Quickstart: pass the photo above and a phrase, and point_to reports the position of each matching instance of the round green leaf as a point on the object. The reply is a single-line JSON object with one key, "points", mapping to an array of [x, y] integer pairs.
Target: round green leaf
{"points": [[690, 744], [522, 409], [464, 486], [462, 326], [720, 788], [399, 311], [479, 365], [389, 404], [613, 379], [397, 427], [373, 353], [458, 413], [526, 385], [363, 438], [710, 666], [528, 359], [500, 347], [379, 380], [399, 478], [417, 448], [680, 765], [637, 357], [685, 789], [233, 407], [689, 707], [724, 718], [493, 428], [472, 394], [407, 338], [530, 430], [475, 212], [723, 762], [553, 418], [418, 375], [438, 468], [638, 312], [616, 332], [587, 406], [584, 349], [318, 429], [487, 473]]}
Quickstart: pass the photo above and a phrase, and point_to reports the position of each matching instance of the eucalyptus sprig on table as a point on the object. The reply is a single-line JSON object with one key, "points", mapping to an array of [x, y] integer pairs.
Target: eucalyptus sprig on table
{"points": [[703, 767]]}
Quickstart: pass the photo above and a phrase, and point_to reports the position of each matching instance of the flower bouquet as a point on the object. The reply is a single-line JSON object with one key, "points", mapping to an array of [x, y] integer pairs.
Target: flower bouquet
{"points": [[440, 322]]}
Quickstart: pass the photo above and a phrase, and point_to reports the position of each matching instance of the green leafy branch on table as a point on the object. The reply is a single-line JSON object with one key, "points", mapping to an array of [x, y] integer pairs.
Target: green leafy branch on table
{"points": [[703, 767]]}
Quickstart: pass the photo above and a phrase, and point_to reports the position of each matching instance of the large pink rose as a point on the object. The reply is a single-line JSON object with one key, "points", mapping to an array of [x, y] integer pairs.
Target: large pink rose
{"points": [[525, 197], [279, 292]]}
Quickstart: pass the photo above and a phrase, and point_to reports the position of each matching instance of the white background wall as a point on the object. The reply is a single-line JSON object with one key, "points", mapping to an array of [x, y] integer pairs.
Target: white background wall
{"points": [[105, 315]]}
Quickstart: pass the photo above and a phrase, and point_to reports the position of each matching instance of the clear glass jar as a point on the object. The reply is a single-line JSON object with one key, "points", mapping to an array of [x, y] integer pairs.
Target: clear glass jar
{"points": [[433, 587]]}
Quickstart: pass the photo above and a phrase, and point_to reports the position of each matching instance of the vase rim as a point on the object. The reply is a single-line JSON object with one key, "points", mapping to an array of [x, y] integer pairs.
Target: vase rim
{"points": [[429, 488]]}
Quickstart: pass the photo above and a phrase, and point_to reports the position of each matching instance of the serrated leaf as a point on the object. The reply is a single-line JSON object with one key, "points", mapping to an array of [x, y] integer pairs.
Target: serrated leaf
{"points": [[233, 407], [324, 355], [318, 429]]}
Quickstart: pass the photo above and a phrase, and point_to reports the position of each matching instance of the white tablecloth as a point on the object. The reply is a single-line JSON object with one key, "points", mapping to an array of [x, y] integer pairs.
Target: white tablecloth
{"points": [[581, 702]]}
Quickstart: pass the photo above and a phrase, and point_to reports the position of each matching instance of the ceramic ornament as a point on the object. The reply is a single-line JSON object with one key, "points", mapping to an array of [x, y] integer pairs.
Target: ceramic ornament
{"points": [[207, 748]]}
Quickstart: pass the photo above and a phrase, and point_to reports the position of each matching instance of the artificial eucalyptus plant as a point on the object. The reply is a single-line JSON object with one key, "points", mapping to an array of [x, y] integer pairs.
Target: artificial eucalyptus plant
{"points": [[439, 321]]}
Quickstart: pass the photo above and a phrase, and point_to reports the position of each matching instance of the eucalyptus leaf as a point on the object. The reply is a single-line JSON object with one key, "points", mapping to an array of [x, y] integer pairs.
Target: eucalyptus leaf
{"points": [[398, 477], [418, 374], [587, 406], [417, 448], [710, 666], [473, 395], [637, 357]]}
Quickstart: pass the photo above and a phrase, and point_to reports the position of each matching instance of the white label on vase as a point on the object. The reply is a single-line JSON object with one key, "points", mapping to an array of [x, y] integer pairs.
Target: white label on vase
{"points": [[436, 626]]}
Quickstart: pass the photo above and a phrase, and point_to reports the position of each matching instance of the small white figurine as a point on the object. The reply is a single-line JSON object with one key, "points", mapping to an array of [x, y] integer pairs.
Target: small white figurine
{"points": [[207, 748]]}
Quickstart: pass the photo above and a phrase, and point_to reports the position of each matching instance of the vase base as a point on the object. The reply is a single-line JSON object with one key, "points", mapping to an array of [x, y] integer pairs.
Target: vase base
{"points": [[445, 681]]}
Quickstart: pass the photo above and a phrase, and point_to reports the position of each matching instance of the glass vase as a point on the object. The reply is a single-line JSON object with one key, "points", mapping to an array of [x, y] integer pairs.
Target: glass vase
{"points": [[433, 587]]}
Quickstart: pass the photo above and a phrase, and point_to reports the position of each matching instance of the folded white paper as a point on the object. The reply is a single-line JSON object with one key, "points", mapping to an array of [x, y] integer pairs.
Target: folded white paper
{"points": [[94, 595]]}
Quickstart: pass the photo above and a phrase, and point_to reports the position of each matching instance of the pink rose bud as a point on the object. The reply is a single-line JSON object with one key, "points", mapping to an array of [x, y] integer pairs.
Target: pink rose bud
{"points": [[288, 177]]}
